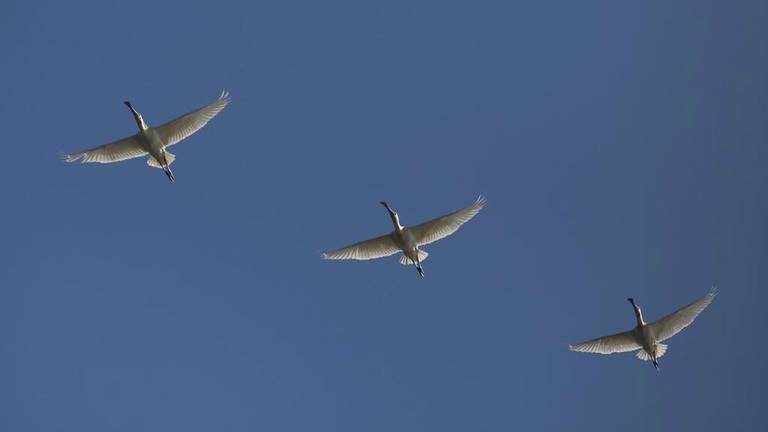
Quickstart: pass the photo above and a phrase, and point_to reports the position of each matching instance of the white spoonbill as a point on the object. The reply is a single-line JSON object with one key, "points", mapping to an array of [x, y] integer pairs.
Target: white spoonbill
{"points": [[646, 337], [408, 239], [153, 140]]}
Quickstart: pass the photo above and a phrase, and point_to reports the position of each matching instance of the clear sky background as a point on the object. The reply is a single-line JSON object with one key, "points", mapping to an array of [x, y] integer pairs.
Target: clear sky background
{"points": [[622, 147]]}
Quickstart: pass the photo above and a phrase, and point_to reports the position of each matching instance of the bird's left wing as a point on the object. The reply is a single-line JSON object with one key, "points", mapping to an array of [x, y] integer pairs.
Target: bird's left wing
{"points": [[116, 151], [184, 126], [369, 249], [671, 324], [446, 225], [620, 342]]}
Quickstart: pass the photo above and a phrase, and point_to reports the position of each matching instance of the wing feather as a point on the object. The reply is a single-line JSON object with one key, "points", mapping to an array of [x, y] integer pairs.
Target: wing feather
{"points": [[673, 323], [177, 129], [369, 249], [446, 225], [619, 342], [120, 150]]}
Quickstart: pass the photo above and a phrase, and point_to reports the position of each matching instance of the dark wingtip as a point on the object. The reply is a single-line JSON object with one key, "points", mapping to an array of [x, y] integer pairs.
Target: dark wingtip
{"points": [[127, 103]]}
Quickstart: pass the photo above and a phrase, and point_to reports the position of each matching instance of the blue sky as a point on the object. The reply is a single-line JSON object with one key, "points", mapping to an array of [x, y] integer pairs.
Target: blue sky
{"points": [[621, 147]]}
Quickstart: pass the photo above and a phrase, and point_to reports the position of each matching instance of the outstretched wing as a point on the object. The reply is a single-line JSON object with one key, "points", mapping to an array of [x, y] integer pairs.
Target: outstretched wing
{"points": [[369, 249], [446, 225], [673, 323], [620, 342], [120, 150], [177, 129]]}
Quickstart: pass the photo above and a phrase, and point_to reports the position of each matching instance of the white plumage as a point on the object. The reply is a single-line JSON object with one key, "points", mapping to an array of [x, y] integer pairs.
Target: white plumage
{"points": [[152, 140], [120, 150], [378, 247], [660, 350], [443, 226], [408, 239], [647, 337], [620, 342], [673, 323], [180, 128]]}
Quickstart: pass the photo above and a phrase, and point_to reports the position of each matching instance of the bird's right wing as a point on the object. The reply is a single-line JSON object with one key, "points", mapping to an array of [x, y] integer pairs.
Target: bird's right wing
{"points": [[671, 324], [446, 225], [369, 249], [620, 342], [120, 150], [179, 128]]}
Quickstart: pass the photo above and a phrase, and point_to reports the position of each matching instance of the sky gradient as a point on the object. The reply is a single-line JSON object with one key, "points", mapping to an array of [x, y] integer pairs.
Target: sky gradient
{"points": [[621, 146]]}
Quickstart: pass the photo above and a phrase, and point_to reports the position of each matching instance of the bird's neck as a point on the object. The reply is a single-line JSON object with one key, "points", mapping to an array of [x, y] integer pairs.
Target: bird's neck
{"points": [[639, 317], [140, 121], [396, 222]]}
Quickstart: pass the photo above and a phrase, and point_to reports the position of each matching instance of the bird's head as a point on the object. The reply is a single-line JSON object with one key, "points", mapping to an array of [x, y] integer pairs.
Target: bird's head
{"points": [[389, 209]]}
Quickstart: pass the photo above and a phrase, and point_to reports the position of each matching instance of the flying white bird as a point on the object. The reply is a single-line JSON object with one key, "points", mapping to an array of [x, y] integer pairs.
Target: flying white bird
{"points": [[408, 239], [646, 337], [153, 140]]}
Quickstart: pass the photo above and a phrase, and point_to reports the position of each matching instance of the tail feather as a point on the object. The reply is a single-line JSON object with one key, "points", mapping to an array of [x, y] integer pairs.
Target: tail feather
{"points": [[170, 157], [404, 260], [661, 349], [151, 161], [642, 355]]}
